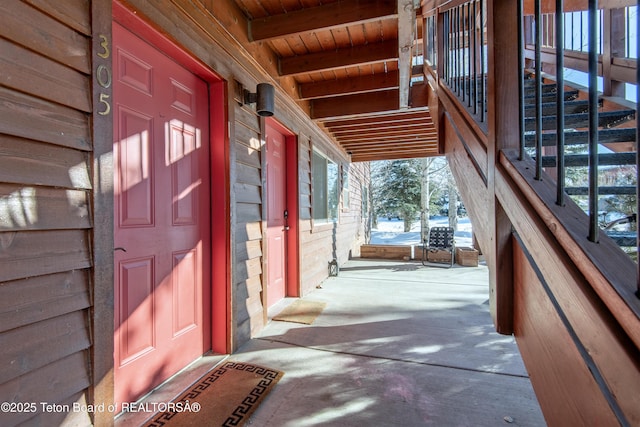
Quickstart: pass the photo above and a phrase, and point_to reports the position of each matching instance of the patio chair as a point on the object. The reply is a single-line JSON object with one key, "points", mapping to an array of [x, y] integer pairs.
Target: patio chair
{"points": [[440, 248]]}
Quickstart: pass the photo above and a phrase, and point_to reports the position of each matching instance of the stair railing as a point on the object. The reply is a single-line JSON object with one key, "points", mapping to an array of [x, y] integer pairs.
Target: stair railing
{"points": [[535, 132], [464, 51]]}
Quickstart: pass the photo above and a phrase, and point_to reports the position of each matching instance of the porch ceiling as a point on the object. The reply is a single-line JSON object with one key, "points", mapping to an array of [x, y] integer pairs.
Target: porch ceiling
{"points": [[350, 62]]}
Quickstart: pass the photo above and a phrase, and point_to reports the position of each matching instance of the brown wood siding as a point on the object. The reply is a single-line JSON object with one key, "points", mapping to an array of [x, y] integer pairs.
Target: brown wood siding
{"points": [[469, 181], [247, 202], [318, 240], [555, 329], [564, 330], [45, 196], [48, 173]]}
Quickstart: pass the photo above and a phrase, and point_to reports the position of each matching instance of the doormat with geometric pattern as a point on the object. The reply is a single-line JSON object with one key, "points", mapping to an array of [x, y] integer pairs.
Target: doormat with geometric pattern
{"points": [[225, 396]]}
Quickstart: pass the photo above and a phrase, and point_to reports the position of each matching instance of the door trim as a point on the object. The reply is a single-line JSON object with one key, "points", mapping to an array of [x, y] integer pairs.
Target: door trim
{"points": [[292, 205]]}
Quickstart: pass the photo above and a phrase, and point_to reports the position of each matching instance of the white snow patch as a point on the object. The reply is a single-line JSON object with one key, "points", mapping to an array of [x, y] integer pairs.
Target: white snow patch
{"points": [[390, 232]]}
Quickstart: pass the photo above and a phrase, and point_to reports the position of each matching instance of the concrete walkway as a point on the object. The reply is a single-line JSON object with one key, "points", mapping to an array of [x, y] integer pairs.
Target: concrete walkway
{"points": [[398, 344]]}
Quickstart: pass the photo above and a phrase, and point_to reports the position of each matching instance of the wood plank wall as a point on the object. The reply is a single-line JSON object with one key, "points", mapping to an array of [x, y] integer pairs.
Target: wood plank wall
{"points": [[321, 242], [246, 178], [45, 194], [46, 185]]}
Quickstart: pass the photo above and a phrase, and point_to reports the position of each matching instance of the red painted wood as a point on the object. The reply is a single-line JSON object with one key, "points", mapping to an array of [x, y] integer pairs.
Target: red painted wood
{"points": [[293, 257], [162, 200], [276, 221], [220, 225]]}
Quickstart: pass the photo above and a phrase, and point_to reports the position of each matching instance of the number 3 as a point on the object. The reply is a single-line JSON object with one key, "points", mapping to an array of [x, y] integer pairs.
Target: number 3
{"points": [[104, 43]]}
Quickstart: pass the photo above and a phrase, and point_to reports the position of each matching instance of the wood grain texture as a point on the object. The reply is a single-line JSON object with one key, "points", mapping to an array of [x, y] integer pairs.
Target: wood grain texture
{"points": [[385, 252], [40, 120], [51, 38], [53, 383], [555, 366], [28, 72], [45, 202], [590, 324], [40, 208], [612, 277], [28, 301], [61, 336], [28, 162], [35, 253], [73, 13]]}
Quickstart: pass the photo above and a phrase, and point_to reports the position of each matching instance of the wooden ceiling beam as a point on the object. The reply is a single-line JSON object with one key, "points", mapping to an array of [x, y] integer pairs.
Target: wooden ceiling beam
{"points": [[408, 126], [382, 150], [392, 156], [366, 83], [374, 120], [432, 140], [383, 135], [387, 135], [422, 140], [320, 18], [334, 59], [363, 103]]}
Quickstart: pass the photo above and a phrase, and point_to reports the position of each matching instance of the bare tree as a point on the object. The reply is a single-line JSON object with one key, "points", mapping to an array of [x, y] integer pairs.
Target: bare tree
{"points": [[430, 167], [453, 202]]}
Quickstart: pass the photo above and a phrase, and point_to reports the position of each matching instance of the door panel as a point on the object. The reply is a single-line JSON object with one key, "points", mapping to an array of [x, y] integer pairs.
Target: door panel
{"points": [[162, 202], [276, 206]]}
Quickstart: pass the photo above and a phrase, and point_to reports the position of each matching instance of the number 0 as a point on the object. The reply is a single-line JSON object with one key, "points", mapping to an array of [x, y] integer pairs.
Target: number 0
{"points": [[103, 76]]}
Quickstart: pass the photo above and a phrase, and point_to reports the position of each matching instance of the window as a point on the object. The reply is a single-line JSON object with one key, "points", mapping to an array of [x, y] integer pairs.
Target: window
{"points": [[324, 188], [365, 201], [345, 187]]}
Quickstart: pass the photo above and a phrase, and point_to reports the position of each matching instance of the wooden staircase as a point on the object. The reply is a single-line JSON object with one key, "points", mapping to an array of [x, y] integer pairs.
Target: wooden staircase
{"points": [[615, 136]]}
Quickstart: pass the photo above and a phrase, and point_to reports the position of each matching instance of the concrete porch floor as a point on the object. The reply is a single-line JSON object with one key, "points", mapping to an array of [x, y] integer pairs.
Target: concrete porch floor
{"points": [[398, 344]]}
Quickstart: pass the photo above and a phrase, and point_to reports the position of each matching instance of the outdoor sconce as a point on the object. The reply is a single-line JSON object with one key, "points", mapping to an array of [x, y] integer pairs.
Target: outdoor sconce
{"points": [[264, 98]]}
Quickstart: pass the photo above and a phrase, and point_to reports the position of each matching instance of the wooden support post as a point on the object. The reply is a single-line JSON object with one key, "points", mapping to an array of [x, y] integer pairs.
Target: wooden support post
{"points": [[102, 311], [502, 93]]}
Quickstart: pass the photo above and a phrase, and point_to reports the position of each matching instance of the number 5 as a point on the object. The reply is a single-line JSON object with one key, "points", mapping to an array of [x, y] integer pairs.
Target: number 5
{"points": [[107, 107]]}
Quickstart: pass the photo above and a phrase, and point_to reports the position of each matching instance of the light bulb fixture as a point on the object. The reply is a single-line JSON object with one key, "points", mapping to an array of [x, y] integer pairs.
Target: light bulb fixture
{"points": [[264, 98]]}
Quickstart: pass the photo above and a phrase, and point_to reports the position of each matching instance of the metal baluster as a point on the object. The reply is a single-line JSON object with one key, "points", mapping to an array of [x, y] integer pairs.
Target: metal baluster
{"points": [[482, 75], [521, 74], [453, 50], [468, 56], [445, 47], [454, 46], [581, 31], [637, 23], [448, 36], [462, 54], [593, 121], [457, 47], [538, 97], [475, 60], [461, 51], [560, 102]]}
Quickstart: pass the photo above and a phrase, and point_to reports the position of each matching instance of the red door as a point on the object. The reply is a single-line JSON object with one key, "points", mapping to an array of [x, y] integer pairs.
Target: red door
{"points": [[162, 237], [276, 220]]}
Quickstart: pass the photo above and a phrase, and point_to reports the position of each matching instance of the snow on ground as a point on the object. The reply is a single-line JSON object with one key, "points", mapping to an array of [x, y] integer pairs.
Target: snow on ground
{"points": [[389, 232]]}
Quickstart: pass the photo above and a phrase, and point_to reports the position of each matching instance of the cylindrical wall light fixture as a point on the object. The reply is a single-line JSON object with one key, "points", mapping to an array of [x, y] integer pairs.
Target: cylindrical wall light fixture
{"points": [[265, 100]]}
